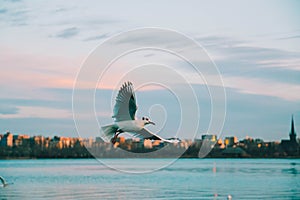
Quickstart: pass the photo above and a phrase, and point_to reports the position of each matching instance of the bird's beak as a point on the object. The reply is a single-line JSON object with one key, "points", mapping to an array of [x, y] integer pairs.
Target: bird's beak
{"points": [[152, 123]]}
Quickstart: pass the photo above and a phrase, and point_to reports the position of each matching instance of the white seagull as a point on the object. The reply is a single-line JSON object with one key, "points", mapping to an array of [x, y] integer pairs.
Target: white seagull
{"points": [[125, 120], [4, 183]]}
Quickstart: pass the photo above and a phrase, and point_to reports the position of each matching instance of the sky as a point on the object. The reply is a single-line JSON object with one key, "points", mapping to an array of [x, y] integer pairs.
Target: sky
{"points": [[254, 44]]}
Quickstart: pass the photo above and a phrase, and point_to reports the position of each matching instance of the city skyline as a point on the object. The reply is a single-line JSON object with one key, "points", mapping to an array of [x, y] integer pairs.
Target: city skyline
{"points": [[44, 44], [291, 134], [24, 146]]}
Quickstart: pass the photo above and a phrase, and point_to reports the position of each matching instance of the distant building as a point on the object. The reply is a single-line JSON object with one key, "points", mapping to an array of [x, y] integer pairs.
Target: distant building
{"points": [[121, 140], [212, 138], [291, 146], [136, 143], [148, 144], [87, 142], [230, 141], [7, 140], [99, 140], [19, 140], [220, 143], [208, 142]]}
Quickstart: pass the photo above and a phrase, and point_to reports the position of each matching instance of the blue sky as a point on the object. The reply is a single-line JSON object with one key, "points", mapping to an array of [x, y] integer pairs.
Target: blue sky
{"points": [[255, 45]]}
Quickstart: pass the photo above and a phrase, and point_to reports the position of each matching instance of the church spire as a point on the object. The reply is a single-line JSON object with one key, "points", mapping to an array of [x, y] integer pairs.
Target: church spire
{"points": [[292, 133]]}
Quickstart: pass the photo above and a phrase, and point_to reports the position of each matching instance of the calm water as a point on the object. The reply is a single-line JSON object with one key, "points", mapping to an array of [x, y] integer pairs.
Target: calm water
{"points": [[184, 179]]}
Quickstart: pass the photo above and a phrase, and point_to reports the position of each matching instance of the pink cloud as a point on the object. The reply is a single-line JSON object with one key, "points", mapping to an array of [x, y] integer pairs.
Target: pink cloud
{"points": [[292, 64], [25, 69], [257, 86]]}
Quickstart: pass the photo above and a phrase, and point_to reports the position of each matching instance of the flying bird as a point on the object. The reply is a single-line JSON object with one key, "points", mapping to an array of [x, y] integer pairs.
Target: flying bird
{"points": [[125, 119], [4, 183]]}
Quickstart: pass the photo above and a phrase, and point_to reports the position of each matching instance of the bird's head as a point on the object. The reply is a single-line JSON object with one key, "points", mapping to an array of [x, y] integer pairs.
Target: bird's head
{"points": [[146, 121]]}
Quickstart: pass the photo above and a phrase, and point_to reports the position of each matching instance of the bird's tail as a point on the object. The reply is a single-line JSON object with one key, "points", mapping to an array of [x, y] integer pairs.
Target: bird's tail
{"points": [[109, 131]]}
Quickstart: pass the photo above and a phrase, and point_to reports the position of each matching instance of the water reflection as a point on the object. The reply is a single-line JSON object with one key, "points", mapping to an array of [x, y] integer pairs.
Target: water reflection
{"points": [[292, 171], [187, 179]]}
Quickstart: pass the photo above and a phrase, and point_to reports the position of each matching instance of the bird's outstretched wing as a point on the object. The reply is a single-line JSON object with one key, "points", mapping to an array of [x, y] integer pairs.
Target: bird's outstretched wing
{"points": [[146, 134], [125, 107], [109, 131], [4, 184]]}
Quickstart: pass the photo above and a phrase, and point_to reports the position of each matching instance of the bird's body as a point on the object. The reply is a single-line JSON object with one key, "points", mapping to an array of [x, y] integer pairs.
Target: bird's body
{"points": [[130, 125], [125, 120]]}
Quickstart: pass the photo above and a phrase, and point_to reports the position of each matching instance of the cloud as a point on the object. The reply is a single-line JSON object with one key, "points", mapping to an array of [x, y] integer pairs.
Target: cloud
{"points": [[239, 52], [162, 39], [8, 110], [217, 41], [290, 37], [289, 92], [14, 16], [97, 37], [68, 33], [36, 126], [291, 64], [38, 112], [13, 1], [58, 10], [59, 103], [149, 55], [244, 65], [249, 53], [29, 72], [261, 86], [2, 10]]}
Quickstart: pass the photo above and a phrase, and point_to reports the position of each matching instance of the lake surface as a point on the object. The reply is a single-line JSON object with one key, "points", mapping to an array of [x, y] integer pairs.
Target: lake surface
{"points": [[184, 179]]}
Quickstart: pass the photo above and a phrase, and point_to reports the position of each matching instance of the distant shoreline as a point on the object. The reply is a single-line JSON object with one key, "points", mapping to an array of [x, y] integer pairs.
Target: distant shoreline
{"points": [[24, 147]]}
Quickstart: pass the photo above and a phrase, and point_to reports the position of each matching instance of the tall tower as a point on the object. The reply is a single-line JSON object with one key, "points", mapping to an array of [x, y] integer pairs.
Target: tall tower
{"points": [[293, 132]]}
